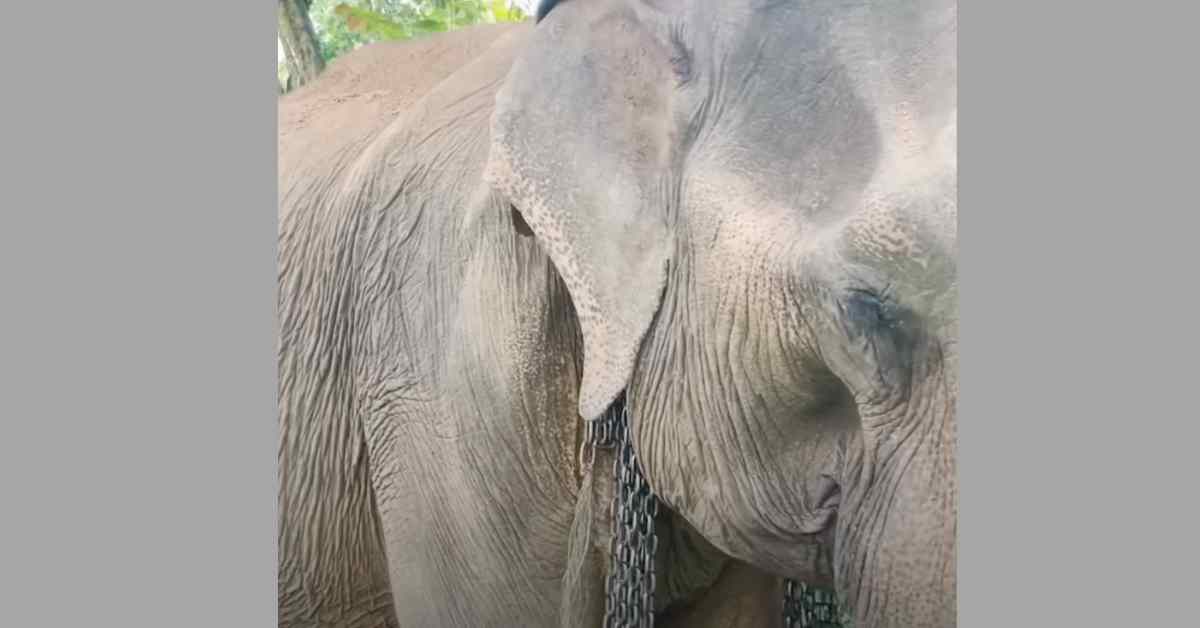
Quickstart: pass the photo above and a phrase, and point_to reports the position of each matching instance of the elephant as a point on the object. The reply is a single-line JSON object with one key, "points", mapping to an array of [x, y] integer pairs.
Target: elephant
{"points": [[733, 221]]}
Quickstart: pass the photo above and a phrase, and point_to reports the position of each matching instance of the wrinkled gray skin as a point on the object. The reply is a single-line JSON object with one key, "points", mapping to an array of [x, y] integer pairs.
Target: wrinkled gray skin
{"points": [[741, 214]]}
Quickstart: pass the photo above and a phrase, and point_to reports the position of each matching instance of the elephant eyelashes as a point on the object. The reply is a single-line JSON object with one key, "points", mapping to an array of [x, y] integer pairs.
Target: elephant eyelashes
{"points": [[886, 335], [868, 313]]}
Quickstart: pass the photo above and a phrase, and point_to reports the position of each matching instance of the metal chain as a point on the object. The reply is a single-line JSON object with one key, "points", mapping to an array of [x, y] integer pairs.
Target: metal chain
{"points": [[808, 607], [631, 575]]}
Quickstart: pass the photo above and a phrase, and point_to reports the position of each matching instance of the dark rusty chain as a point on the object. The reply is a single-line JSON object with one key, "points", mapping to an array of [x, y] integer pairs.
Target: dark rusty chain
{"points": [[631, 575], [808, 607]]}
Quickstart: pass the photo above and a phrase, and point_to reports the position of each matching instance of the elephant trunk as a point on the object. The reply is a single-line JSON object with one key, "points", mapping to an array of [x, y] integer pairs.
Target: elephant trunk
{"points": [[896, 543]]}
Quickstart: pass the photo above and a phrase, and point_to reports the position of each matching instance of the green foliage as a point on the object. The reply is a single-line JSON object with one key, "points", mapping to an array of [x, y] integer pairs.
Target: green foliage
{"points": [[334, 35], [501, 12], [372, 25], [343, 25]]}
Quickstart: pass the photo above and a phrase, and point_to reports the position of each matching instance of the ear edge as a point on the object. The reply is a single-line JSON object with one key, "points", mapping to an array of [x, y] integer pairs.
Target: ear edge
{"points": [[615, 301], [612, 334]]}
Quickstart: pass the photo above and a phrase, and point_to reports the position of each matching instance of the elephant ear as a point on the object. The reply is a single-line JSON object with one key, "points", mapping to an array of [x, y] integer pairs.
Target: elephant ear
{"points": [[581, 147]]}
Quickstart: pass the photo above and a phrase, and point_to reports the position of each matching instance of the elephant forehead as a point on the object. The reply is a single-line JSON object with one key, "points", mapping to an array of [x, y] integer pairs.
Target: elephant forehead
{"points": [[907, 209], [910, 207], [899, 231]]}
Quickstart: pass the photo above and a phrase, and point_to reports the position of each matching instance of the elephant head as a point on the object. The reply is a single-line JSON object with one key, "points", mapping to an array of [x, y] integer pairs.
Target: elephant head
{"points": [[753, 205]]}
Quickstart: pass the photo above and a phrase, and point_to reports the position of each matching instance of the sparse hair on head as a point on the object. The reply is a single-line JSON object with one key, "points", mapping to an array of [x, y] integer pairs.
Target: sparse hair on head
{"points": [[543, 9]]}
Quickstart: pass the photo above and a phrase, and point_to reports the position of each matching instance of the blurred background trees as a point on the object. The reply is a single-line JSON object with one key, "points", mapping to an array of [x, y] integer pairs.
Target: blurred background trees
{"points": [[313, 32]]}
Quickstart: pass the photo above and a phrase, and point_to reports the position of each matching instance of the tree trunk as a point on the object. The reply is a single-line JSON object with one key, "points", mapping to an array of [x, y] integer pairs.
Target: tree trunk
{"points": [[301, 50]]}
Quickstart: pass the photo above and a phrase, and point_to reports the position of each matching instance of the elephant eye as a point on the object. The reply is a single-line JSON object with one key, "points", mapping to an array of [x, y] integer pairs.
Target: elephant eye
{"points": [[883, 334], [681, 57], [867, 312]]}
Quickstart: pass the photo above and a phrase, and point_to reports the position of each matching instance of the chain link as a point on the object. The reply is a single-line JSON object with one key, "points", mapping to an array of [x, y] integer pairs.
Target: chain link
{"points": [[631, 575], [808, 607]]}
